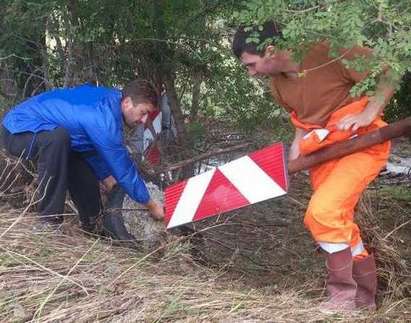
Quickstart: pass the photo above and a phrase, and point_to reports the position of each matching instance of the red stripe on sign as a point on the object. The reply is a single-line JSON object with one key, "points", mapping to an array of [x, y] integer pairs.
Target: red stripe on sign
{"points": [[153, 155], [153, 114], [172, 196], [221, 196], [272, 160], [250, 179]]}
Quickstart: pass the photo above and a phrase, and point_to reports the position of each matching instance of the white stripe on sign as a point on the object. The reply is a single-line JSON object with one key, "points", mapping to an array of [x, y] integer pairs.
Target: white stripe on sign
{"points": [[148, 138], [250, 180], [157, 123], [190, 199]]}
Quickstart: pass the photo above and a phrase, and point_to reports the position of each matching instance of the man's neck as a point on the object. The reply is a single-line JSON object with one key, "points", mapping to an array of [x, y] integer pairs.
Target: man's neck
{"points": [[292, 70]]}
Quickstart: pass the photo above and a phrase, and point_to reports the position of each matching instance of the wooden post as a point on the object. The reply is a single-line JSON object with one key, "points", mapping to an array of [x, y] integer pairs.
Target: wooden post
{"points": [[394, 130]]}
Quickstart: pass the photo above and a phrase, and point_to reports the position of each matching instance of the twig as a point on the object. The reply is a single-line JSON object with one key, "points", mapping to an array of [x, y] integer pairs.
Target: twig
{"points": [[302, 11], [33, 75], [328, 63], [160, 248], [295, 201], [10, 172], [44, 268], [396, 229], [130, 209], [142, 259], [39, 310], [31, 203], [12, 55]]}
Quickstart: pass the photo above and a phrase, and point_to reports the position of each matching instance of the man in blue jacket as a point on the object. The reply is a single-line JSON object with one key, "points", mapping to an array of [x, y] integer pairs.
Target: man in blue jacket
{"points": [[76, 137]]}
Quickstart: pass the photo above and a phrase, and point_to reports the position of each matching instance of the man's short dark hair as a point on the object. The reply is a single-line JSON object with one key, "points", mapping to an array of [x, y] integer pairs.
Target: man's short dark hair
{"points": [[141, 91], [269, 30]]}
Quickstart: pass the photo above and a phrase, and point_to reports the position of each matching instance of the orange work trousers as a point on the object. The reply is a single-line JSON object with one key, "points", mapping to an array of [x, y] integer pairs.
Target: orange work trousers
{"points": [[338, 184]]}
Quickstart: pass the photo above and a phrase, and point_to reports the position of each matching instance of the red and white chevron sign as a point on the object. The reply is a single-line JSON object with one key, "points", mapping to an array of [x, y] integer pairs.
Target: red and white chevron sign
{"points": [[259, 176], [151, 131]]}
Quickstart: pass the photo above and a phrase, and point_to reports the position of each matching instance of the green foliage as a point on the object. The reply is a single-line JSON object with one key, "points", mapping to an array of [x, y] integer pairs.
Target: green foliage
{"points": [[186, 44], [110, 42], [400, 193], [383, 25], [400, 106], [236, 97], [196, 133]]}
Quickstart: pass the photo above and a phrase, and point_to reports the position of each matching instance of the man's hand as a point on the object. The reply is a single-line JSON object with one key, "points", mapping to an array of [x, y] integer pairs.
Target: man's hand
{"points": [[294, 150], [356, 121], [376, 104], [108, 183], [156, 210]]}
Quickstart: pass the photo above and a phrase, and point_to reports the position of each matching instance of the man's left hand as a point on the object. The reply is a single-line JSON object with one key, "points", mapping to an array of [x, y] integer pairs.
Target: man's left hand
{"points": [[356, 121]]}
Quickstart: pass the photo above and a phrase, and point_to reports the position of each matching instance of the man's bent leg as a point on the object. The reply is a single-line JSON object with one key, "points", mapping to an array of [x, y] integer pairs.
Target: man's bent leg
{"points": [[54, 149], [330, 213], [330, 219], [50, 149], [84, 191], [22, 145]]}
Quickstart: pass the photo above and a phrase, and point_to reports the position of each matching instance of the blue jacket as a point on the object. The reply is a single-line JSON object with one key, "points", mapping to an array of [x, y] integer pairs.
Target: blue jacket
{"points": [[92, 116]]}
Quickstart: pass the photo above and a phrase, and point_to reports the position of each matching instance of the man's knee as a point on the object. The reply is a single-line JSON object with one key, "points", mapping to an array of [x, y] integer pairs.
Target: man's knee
{"points": [[320, 209], [322, 212], [329, 223], [313, 221]]}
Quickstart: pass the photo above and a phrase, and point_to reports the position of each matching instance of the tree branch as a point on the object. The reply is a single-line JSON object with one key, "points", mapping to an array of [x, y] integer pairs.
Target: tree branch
{"points": [[12, 55]]}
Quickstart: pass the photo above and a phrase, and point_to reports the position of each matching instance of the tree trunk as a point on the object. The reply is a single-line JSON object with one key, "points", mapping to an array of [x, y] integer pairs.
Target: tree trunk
{"points": [[70, 60], [175, 109], [195, 102], [164, 54]]}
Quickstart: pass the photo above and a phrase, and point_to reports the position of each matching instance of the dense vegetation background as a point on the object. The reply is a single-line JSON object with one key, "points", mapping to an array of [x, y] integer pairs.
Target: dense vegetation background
{"points": [[185, 45], [258, 263]]}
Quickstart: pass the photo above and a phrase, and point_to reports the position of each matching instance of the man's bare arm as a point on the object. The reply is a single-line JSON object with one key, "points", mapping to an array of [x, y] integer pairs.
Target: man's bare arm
{"points": [[384, 92], [295, 146]]}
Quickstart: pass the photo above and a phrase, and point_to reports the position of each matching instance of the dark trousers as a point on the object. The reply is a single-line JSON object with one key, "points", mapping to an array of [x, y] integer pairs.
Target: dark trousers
{"points": [[59, 169]]}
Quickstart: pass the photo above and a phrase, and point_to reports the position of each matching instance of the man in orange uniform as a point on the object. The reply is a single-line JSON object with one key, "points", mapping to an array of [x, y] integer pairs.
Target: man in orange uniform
{"points": [[316, 93]]}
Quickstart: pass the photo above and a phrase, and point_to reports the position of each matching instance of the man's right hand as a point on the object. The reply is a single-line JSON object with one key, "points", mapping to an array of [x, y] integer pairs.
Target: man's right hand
{"points": [[294, 150], [156, 210], [108, 184]]}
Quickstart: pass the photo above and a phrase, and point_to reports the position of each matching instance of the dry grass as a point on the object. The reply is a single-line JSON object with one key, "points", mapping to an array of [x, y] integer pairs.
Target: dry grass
{"points": [[264, 271], [386, 224], [53, 277], [261, 267]]}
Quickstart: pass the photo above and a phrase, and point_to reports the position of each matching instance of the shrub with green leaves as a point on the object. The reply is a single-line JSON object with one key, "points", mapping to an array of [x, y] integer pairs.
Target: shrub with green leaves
{"points": [[383, 25]]}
